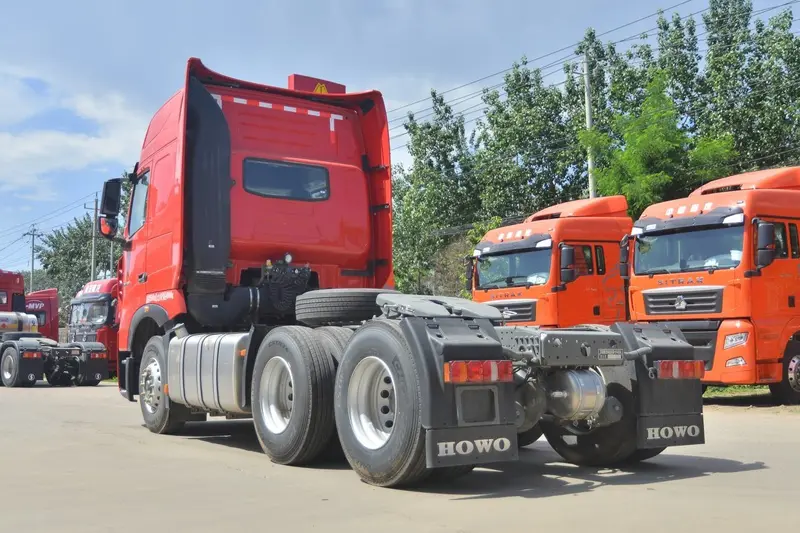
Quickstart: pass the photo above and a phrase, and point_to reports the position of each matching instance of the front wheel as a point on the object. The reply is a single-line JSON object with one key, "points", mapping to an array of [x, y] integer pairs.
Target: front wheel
{"points": [[788, 390], [158, 417]]}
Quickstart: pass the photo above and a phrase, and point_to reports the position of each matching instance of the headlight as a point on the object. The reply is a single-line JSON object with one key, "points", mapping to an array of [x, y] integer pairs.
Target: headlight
{"points": [[735, 339], [287, 258]]}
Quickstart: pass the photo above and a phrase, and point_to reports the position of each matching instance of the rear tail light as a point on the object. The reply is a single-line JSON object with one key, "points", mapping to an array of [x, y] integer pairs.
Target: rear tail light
{"points": [[31, 355], [680, 369], [98, 355], [478, 372]]}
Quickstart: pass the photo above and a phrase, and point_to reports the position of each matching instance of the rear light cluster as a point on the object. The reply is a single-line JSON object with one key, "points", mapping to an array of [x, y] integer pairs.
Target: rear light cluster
{"points": [[478, 372], [97, 355], [31, 355], [680, 369]]}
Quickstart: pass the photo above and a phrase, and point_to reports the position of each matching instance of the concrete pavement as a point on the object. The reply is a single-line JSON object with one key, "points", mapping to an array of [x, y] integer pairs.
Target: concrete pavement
{"points": [[79, 460]]}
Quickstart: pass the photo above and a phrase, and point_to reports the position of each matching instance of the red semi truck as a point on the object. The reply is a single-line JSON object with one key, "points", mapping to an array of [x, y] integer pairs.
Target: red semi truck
{"points": [[256, 257], [93, 317], [44, 306]]}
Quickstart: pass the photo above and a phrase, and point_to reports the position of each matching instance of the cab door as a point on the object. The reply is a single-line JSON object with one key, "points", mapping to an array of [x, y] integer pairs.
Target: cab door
{"points": [[612, 288], [134, 275], [580, 302]]}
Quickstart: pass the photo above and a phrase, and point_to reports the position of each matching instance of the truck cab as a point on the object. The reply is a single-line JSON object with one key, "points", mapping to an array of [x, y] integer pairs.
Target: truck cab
{"points": [[557, 268], [12, 292], [44, 306], [92, 317], [722, 265]]}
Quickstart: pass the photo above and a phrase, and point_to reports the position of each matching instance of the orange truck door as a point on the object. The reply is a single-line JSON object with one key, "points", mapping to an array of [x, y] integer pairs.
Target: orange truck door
{"points": [[612, 289], [580, 303]]}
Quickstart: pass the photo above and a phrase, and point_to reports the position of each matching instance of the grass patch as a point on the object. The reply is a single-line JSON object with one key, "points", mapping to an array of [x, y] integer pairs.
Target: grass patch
{"points": [[736, 390], [111, 380]]}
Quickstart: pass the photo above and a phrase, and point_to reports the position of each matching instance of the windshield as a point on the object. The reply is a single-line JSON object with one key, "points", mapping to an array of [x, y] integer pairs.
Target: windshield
{"points": [[513, 269], [690, 250], [94, 313]]}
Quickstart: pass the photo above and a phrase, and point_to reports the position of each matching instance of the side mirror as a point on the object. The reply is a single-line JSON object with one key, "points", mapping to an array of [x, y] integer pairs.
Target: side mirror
{"points": [[107, 227], [765, 244], [624, 254], [470, 267], [112, 194], [567, 264]]}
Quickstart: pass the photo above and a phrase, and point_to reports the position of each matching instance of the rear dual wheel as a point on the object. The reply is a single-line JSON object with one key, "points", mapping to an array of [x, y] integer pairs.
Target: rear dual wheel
{"points": [[10, 374]]}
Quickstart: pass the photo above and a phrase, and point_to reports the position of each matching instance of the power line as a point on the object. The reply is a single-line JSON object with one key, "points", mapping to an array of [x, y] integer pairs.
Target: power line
{"points": [[542, 57], [560, 61]]}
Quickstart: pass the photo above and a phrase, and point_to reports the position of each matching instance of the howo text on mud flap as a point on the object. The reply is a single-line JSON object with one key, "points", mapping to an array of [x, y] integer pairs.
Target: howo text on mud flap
{"points": [[26, 356]]}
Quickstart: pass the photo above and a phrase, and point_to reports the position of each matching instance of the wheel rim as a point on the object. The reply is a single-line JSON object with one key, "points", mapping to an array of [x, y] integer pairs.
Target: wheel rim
{"points": [[793, 373], [277, 395], [371, 400], [8, 367], [150, 386]]}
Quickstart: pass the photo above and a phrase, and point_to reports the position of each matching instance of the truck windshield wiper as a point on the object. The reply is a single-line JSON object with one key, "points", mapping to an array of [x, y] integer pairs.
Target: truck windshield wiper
{"points": [[654, 271]]}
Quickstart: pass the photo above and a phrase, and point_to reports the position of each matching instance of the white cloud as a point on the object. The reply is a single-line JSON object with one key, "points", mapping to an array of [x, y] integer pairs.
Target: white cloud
{"points": [[29, 156]]}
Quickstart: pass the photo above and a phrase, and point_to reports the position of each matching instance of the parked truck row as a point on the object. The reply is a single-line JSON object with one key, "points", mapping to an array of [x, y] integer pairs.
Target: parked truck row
{"points": [[721, 265], [255, 282]]}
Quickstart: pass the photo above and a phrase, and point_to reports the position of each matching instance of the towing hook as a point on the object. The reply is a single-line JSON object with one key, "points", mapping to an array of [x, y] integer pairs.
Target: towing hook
{"points": [[641, 354]]}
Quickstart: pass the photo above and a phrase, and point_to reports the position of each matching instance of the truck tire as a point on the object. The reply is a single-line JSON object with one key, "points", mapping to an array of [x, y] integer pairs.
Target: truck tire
{"points": [[333, 341], [9, 370], [643, 455], [160, 416], [605, 446], [331, 307], [528, 437], [788, 390], [292, 396], [377, 406], [84, 381]]}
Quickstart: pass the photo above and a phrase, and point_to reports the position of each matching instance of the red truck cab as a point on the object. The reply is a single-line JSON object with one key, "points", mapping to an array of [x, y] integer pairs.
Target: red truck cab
{"points": [[93, 314], [12, 292], [557, 268], [44, 305], [246, 195]]}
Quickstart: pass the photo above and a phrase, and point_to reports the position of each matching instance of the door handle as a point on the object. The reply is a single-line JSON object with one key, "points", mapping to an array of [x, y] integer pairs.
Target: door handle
{"points": [[142, 277]]}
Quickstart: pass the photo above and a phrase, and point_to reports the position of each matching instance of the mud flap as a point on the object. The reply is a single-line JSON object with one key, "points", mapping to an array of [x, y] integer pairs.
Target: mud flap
{"points": [[658, 431], [473, 445]]}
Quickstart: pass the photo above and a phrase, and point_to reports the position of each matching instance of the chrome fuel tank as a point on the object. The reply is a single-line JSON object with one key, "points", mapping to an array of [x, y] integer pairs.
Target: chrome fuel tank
{"points": [[206, 370]]}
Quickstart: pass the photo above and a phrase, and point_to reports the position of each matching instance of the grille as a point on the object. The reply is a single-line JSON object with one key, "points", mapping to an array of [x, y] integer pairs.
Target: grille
{"points": [[525, 310], [687, 301], [82, 336]]}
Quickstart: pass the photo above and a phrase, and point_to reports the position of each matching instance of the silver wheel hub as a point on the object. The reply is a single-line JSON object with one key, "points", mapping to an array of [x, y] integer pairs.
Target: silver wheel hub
{"points": [[371, 400], [8, 367], [277, 395], [150, 388], [793, 373]]}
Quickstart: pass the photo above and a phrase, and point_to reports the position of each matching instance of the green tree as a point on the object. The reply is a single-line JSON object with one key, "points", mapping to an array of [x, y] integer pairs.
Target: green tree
{"points": [[656, 160]]}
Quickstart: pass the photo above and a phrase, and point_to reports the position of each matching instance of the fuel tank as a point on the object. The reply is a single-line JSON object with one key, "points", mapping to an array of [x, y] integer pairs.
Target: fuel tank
{"points": [[11, 322]]}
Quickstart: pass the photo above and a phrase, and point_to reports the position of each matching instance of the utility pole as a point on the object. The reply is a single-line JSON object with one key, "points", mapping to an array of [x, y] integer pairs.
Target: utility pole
{"points": [[587, 90], [110, 258], [33, 234], [94, 234]]}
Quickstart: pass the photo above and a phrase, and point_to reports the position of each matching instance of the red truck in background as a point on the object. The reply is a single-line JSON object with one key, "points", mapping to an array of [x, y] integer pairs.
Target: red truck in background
{"points": [[44, 306], [12, 292], [93, 317]]}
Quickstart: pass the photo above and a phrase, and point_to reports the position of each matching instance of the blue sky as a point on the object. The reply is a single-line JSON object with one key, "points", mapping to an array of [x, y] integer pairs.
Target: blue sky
{"points": [[83, 77]]}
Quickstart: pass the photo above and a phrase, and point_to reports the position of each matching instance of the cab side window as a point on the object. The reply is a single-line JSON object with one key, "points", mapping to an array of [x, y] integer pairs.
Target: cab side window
{"points": [[601, 260], [138, 205], [794, 240], [781, 246], [584, 266]]}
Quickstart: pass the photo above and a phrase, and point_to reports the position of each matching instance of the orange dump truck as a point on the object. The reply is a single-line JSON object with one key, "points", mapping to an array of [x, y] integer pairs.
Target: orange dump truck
{"points": [[723, 265]]}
